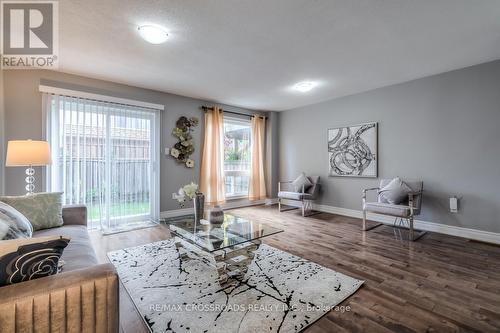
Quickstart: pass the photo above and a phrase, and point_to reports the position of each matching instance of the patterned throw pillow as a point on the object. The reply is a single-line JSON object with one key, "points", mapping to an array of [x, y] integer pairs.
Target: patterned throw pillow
{"points": [[13, 224], [29, 259], [43, 210]]}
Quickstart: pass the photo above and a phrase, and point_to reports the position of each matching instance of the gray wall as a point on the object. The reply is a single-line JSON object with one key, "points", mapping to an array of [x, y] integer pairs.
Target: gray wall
{"points": [[443, 129], [23, 119]]}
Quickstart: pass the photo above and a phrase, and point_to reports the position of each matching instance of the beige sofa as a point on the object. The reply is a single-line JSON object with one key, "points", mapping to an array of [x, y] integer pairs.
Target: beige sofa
{"points": [[82, 298]]}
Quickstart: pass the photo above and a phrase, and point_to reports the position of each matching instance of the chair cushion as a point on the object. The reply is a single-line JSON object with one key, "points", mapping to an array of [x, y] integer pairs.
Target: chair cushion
{"points": [[294, 195], [301, 180], [387, 209], [395, 192], [79, 253]]}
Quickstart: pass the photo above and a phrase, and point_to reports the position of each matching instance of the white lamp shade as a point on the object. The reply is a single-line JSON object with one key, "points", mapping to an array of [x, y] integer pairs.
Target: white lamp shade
{"points": [[27, 152]]}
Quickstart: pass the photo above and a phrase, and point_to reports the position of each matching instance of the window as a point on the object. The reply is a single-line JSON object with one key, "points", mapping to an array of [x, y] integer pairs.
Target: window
{"points": [[103, 157], [237, 151]]}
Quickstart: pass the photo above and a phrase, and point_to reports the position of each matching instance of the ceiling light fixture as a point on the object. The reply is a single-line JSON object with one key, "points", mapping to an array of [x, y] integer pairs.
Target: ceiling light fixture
{"points": [[304, 86], [153, 34]]}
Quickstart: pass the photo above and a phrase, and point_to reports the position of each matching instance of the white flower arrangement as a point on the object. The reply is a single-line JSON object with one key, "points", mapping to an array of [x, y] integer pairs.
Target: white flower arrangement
{"points": [[186, 192]]}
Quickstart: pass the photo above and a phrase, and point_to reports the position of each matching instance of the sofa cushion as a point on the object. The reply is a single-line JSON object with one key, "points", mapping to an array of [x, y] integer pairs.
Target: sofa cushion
{"points": [[301, 180], [43, 210], [294, 195], [13, 224], [79, 253], [387, 209], [30, 258]]}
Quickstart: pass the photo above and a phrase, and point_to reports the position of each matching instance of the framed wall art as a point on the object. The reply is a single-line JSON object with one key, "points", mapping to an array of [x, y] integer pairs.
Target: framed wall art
{"points": [[352, 151]]}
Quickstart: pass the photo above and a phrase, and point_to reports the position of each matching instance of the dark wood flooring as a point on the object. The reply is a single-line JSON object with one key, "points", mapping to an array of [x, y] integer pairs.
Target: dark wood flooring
{"points": [[437, 284]]}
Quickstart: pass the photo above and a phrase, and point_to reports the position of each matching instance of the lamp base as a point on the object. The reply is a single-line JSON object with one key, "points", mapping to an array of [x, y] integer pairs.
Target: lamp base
{"points": [[30, 180]]}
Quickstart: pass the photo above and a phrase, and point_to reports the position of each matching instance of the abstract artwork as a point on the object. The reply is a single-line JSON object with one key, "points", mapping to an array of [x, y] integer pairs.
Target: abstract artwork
{"points": [[352, 151]]}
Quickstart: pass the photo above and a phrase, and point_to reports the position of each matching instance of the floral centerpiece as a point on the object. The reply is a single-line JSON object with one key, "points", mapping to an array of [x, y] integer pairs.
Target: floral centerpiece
{"points": [[186, 192], [191, 192], [184, 148]]}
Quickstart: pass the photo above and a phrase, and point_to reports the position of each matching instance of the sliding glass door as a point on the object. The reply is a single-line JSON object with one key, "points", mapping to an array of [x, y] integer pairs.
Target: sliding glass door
{"points": [[105, 156]]}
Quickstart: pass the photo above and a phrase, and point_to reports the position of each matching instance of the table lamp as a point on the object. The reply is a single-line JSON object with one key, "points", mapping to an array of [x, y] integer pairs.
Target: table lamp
{"points": [[28, 153]]}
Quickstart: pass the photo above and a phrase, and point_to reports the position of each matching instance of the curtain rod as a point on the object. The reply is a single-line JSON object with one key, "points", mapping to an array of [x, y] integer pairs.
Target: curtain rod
{"points": [[205, 108]]}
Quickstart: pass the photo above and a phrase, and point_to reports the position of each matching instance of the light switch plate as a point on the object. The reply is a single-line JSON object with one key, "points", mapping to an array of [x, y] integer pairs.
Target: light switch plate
{"points": [[454, 204], [167, 151]]}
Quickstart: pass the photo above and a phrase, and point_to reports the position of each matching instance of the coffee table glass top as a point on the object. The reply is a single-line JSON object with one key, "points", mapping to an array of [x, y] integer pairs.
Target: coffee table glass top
{"points": [[217, 236]]}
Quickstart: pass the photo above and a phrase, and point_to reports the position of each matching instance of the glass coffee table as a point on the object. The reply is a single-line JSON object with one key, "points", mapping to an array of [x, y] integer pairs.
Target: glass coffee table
{"points": [[231, 243]]}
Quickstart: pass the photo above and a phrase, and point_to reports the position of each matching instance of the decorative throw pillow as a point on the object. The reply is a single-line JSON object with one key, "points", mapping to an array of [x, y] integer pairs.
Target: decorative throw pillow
{"points": [[29, 259], [13, 224], [395, 192], [43, 210], [301, 180]]}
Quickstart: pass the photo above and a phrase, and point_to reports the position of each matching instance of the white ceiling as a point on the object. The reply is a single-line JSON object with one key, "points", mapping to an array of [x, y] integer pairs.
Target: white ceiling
{"points": [[249, 53]]}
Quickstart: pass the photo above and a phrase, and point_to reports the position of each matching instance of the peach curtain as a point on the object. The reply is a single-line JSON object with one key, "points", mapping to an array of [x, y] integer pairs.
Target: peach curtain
{"points": [[257, 190], [212, 161]]}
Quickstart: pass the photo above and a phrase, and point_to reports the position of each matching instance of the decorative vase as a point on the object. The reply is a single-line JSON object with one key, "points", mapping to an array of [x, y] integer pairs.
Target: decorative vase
{"points": [[216, 215], [199, 206]]}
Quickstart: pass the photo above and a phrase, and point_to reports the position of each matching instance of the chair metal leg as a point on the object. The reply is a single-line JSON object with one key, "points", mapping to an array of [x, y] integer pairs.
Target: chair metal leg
{"points": [[281, 210], [413, 234], [364, 227], [364, 220], [411, 229], [307, 209]]}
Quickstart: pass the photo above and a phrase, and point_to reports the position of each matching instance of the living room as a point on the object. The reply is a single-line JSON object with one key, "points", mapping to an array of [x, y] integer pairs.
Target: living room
{"points": [[221, 166]]}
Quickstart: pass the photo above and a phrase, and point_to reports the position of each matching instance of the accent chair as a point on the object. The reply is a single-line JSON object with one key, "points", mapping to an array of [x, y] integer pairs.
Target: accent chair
{"points": [[403, 211], [305, 195]]}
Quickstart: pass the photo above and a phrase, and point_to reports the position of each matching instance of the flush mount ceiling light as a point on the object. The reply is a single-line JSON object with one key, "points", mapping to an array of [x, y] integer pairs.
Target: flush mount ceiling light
{"points": [[304, 86], [153, 34]]}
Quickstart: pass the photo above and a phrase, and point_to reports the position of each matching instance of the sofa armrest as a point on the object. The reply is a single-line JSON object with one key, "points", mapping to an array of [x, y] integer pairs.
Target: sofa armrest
{"points": [[84, 300], [74, 215]]}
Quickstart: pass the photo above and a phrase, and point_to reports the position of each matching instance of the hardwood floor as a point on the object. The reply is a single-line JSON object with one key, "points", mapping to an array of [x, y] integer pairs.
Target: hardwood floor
{"points": [[437, 284]]}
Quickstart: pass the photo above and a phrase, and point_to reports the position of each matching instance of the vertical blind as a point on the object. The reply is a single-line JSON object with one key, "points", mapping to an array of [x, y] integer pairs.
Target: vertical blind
{"points": [[106, 156]]}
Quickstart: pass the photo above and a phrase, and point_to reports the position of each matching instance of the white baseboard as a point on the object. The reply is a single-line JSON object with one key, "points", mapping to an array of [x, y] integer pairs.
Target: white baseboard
{"points": [[271, 201], [242, 203], [176, 212], [483, 236]]}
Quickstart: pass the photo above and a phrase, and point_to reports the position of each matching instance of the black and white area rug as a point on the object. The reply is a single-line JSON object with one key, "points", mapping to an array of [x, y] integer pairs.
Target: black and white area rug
{"points": [[180, 292]]}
